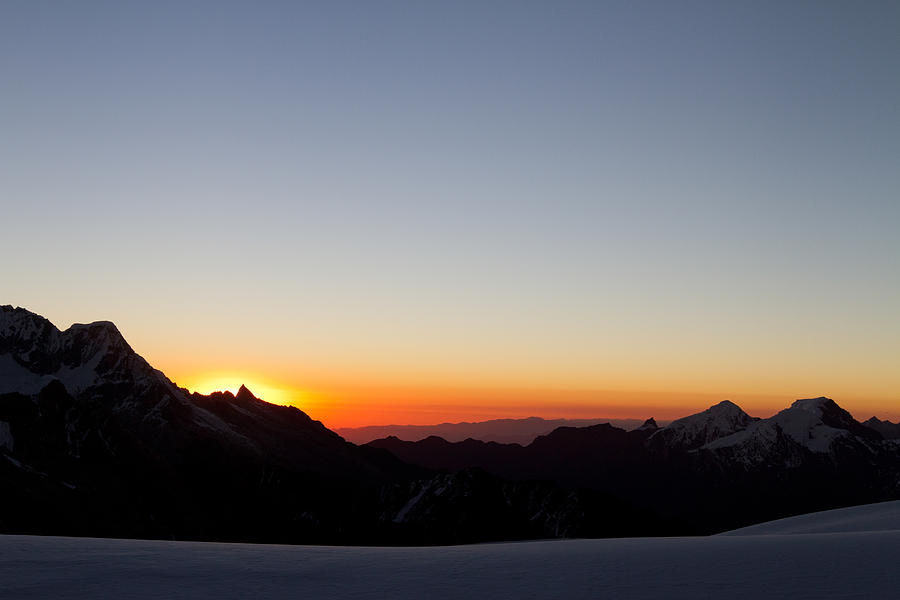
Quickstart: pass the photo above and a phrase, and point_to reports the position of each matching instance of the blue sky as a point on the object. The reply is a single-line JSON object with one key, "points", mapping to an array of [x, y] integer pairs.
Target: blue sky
{"points": [[696, 195]]}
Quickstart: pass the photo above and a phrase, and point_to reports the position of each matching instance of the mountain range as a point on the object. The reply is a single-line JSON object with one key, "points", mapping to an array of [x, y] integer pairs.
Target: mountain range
{"points": [[505, 431], [95, 442], [703, 473]]}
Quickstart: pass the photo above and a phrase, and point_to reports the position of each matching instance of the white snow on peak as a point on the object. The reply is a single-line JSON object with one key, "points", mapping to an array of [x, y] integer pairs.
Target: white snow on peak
{"points": [[16, 378], [698, 429], [802, 422], [22, 323], [813, 405], [30, 333], [27, 328]]}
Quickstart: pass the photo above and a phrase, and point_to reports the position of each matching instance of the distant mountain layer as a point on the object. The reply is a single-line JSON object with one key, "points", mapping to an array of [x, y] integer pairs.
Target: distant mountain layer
{"points": [[505, 431]]}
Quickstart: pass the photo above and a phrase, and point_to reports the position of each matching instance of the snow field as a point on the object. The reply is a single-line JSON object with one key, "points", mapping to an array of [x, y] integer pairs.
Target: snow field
{"points": [[848, 559]]}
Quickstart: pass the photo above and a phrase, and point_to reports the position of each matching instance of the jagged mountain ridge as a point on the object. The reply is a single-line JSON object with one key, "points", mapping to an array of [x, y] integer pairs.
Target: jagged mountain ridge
{"points": [[890, 431], [705, 471], [694, 431], [95, 364], [97, 442], [94, 441], [815, 424]]}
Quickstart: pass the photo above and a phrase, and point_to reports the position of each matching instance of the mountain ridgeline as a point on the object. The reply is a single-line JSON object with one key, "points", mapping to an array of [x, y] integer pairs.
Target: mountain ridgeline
{"points": [[507, 431], [704, 473], [95, 442]]}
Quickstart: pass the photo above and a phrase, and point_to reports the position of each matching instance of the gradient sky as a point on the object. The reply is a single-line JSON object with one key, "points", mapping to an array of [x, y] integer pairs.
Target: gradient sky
{"points": [[422, 211]]}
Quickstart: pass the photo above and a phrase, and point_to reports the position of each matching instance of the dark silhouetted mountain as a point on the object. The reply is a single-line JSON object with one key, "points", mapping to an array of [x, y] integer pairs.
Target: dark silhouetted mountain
{"points": [[704, 473], [94, 441], [548, 457], [649, 425], [504, 431], [469, 505], [888, 430], [97, 442]]}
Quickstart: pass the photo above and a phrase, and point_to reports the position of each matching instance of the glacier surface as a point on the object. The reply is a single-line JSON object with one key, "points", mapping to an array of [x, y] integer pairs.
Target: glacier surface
{"points": [[849, 553]]}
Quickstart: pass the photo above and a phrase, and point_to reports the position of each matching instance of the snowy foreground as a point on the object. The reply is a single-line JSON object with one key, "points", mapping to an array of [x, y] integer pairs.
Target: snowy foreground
{"points": [[847, 553]]}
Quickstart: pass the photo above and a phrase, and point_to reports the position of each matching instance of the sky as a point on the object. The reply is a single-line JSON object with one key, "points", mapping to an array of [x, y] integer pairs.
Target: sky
{"points": [[414, 212]]}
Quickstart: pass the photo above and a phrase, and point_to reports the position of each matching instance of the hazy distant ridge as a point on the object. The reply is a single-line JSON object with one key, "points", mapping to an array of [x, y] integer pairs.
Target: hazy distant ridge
{"points": [[504, 431]]}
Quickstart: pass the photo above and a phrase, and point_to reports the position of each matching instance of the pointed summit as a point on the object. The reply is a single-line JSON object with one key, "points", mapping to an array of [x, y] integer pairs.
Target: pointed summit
{"points": [[694, 431], [649, 425], [244, 394]]}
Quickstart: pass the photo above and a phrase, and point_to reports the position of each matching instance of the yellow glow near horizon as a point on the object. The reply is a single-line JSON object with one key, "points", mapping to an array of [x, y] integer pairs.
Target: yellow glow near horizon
{"points": [[221, 381], [349, 395], [370, 403]]}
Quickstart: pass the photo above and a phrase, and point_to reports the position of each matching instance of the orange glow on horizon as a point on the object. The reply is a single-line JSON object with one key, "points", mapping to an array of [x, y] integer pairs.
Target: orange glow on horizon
{"points": [[360, 404]]}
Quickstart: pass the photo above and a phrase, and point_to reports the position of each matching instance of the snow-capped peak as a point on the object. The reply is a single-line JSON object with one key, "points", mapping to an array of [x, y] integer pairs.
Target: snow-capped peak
{"points": [[32, 339], [814, 405], [34, 352], [804, 422], [21, 329], [693, 431], [814, 423]]}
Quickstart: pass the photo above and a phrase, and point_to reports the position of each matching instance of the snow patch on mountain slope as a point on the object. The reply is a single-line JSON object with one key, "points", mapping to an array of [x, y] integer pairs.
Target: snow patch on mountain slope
{"points": [[16, 378], [81, 377], [401, 516]]}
